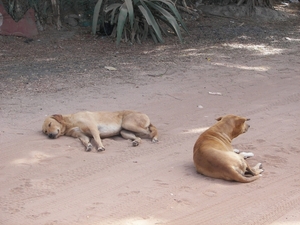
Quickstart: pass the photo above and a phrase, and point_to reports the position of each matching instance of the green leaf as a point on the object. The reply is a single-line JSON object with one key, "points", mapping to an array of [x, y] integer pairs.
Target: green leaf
{"points": [[150, 20], [153, 35], [130, 12], [145, 30], [173, 8], [121, 22], [171, 19], [95, 16], [113, 8]]}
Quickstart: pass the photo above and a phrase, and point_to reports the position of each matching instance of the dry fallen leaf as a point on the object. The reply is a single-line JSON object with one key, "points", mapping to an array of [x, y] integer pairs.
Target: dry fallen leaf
{"points": [[214, 93], [110, 68]]}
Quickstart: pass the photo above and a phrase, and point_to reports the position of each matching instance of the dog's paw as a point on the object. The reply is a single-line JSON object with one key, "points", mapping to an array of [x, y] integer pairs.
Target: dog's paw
{"points": [[258, 166], [236, 151], [89, 147], [154, 140], [100, 149], [135, 143], [247, 154], [260, 171]]}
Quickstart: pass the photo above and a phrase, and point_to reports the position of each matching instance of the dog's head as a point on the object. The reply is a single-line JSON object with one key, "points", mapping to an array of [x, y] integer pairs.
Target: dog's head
{"points": [[236, 125], [53, 126]]}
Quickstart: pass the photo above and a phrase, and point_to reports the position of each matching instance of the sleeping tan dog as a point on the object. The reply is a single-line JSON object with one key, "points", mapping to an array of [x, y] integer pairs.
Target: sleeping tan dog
{"points": [[86, 125], [215, 157]]}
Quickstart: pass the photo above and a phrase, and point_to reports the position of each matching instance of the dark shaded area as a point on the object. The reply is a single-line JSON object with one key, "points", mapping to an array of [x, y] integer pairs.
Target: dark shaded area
{"points": [[54, 55]]}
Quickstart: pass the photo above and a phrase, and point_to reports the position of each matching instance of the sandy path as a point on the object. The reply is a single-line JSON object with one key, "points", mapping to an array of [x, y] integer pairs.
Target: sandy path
{"points": [[47, 182]]}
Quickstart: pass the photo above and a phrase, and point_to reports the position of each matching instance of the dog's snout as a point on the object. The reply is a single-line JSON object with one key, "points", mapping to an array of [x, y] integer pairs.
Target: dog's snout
{"points": [[51, 135], [247, 127]]}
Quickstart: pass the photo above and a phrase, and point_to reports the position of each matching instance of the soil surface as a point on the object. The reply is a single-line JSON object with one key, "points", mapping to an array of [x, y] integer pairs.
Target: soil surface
{"points": [[225, 66]]}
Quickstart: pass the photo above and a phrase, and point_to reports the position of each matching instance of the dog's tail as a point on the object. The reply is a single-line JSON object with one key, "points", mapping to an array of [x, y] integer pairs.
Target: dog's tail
{"points": [[240, 178], [153, 133]]}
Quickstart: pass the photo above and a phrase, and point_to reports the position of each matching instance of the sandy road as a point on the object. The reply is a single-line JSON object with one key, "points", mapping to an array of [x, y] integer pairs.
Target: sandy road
{"points": [[47, 181]]}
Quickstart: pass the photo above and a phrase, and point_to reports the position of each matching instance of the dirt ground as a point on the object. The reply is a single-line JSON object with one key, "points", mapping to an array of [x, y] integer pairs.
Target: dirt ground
{"points": [[225, 66]]}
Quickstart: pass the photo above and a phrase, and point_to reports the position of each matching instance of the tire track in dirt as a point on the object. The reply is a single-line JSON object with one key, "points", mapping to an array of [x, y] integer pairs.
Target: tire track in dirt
{"points": [[267, 136], [60, 183], [221, 207], [267, 207], [14, 201], [122, 208], [285, 202], [87, 172], [286, 100], [224, 200]]}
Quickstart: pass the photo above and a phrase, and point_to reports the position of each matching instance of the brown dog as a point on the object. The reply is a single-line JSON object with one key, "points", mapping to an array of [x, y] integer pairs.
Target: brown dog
{"points": [[215, 157], [84, 125]]}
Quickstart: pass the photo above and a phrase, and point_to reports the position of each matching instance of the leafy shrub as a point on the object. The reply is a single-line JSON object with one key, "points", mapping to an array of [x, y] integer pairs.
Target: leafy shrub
{"points": [[136, 19]]}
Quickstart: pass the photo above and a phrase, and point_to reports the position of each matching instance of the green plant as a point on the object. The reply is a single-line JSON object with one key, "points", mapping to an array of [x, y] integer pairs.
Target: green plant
{"points": [[136, 19]]}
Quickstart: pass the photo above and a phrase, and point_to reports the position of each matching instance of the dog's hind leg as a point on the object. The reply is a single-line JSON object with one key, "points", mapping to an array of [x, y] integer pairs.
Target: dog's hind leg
{"points": [[255, 170], [153, 133], [129, 135], [149, 130], [140, 124]]}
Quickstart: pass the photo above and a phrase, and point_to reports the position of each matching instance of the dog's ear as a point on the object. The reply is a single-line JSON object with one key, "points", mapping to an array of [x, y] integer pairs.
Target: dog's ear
{"points": [[218, 119], [241, 121], [59, 118]]}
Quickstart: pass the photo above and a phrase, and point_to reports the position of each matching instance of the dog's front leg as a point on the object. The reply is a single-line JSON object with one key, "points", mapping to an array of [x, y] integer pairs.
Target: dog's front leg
{"points": [[96, 135], [236, 151], [244, 154], [86, 142]]}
